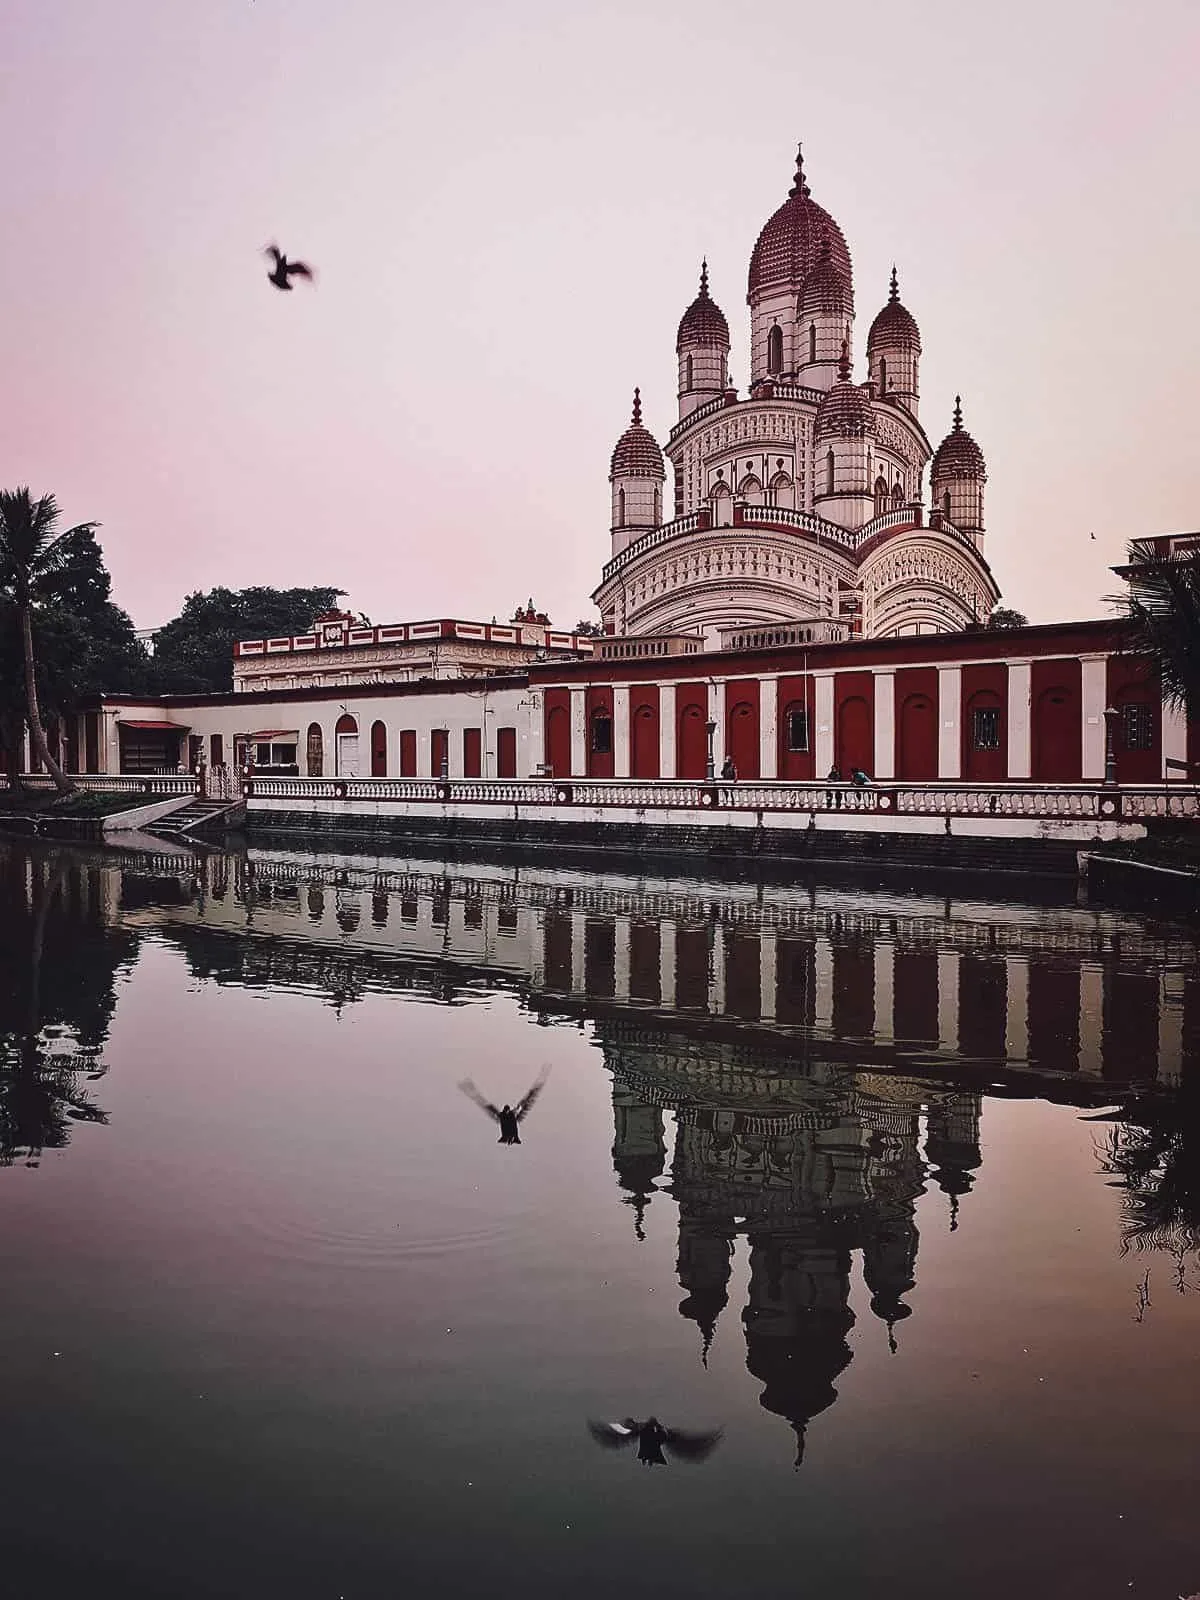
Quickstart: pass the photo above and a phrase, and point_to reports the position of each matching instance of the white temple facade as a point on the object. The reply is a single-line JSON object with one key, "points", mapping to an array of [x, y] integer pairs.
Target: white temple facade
{"points": [[802, 501]]}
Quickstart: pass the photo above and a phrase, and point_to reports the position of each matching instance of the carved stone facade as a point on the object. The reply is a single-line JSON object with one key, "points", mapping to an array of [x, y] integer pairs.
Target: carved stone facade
{"points": [[850, 457]]}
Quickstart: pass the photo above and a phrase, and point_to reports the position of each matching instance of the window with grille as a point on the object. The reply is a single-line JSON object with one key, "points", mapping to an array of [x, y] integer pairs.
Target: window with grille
{"points": [[797, 728], [1137, 722], [602, 734], [985, 728]]}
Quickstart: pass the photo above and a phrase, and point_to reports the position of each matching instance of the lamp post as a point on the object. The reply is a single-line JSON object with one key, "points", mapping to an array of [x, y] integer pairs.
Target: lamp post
{"points": [[1110, 757], [710, 768]]}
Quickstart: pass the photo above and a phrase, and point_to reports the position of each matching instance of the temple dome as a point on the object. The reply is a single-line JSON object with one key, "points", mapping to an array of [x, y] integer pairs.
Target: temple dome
{"points": [[895, 327], [958, 456], [703, 323], [825, 289], [789, 245], [637, 454], [845, 411]]}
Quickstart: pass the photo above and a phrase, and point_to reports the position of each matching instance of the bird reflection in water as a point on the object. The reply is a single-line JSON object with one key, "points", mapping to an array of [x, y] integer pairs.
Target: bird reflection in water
{"points": [[509, 1117], [653, 1438]]}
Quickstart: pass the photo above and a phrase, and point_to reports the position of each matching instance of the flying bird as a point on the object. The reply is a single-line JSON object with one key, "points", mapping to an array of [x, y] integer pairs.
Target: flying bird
{"points": [[284, 270], [652, 1438], [509, 1117]]}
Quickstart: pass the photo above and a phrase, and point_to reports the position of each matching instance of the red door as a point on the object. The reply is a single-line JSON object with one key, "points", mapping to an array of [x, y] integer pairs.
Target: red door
{"points": [[472, 753], [439, 752], [506, 752], [691, 741], [408, 752], [916, 740], [643, 737], [855, 735], [378, 750], [558, 741], [741, 737], [1057, 721]]}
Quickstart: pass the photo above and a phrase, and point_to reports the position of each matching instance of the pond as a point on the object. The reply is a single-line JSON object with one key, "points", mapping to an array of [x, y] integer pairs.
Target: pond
{"points": [[884, 1203]]}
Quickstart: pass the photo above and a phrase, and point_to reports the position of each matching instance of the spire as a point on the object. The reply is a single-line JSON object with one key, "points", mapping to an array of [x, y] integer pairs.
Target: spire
{"points": [[704, 279], [894, 290], [844, 362], [637, 408], [799, 186], [957, 413]]}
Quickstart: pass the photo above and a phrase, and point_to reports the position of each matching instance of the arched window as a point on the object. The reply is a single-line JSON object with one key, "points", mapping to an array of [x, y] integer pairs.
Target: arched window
{"points": [[829, 473], [602, 732], [379, 745], [881, 495], [946, 505], [689, 372], [812, 341], [316, 752], [882, 376], [346, 746], [719, 490], [751, 487], [775, 349], [897, 495], [620, 508]]}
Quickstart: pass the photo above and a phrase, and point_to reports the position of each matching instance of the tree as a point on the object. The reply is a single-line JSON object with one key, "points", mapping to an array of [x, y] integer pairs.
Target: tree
{"points": [[1004, 617], [589, 630], [1162, 605], [37, 567], [193, 654]]}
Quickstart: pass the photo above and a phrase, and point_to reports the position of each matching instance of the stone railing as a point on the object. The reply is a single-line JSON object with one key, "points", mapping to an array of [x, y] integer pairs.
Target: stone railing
{"points": [[692, 522], [160, 785], [1073, 803], [708, 409]]}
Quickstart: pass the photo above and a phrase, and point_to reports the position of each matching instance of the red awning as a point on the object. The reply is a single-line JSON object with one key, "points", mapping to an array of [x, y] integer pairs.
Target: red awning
{"points": [[159, 727]]}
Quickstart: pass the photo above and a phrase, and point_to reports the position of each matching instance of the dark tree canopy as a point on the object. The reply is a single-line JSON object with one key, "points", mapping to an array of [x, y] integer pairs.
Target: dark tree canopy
{"points": [[1006, 617], [1163, 608], [194, 653]]}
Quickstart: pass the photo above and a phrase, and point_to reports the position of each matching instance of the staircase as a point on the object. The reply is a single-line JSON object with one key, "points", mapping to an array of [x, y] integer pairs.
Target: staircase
{"points": [[199, 815]]}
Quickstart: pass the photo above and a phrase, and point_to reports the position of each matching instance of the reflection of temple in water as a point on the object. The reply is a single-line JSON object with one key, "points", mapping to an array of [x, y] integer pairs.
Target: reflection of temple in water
{"points": [[806, 1184]]}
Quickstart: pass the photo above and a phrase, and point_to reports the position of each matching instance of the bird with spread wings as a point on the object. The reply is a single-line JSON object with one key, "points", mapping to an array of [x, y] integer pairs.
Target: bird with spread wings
{"points": [[284, 270], [510, 1117], [653, 1437]]}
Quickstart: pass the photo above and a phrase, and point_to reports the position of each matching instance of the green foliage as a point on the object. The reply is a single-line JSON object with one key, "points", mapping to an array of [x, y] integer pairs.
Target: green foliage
{"points": [[1163, 608], [1005, 617], [194, 653]]}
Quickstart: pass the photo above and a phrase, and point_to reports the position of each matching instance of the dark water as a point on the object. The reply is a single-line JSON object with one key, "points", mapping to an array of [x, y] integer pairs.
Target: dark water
{"points": [[284, 1317]]}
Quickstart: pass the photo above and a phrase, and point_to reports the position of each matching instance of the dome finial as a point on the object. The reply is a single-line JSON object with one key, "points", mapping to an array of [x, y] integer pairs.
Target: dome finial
{"points": [[894, 290], [637, 408], [799, 186], [704, 279], [844, 362], [958, 413]]}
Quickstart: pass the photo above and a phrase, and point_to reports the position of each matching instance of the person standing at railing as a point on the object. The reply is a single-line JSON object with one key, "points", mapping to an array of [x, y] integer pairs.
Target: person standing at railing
{"points": [[729, 770], [859, 778]]}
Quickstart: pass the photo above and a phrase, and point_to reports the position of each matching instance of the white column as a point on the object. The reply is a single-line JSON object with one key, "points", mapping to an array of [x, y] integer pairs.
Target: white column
{"points": [[1091, 1018], [621, 730], [666, 963], [885, 978], [949, 720], [424, 753], [885, 725], [1174, 742], [823, 712], [1095, 698], [531, 752], [768, 726], [767, 968], [578, 734], [947, 983], [1020, 733], [823, 982], [666, 730], [1016, 1030], [621, 937], [716, 973], [716, 713]]}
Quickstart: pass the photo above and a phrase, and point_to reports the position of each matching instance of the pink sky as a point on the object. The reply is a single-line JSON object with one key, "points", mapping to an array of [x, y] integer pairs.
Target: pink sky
{"points": [[507, 205]]}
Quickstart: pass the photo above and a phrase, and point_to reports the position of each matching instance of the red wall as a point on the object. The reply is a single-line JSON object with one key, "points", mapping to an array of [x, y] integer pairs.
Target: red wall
{"points": [[557, 712], [600, 764], [1130, 682], [644, 759], [854, 722], [1057, 715], [742, 697], [795, 692], [691, 739], [916, 725], [984, 686]]}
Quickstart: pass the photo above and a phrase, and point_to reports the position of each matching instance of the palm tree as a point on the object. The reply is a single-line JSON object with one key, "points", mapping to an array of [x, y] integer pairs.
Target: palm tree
{"points": [[1163, 608], [36, 565]]}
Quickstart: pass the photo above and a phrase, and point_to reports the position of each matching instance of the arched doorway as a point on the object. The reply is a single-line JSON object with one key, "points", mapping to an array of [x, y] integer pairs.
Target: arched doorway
{"points": [[917, 740], [346, 741], [855, 740], [558, 741], [691, 742], [741, 738], [378, 750], [1057, 734], [315, 751], [643, 753]]}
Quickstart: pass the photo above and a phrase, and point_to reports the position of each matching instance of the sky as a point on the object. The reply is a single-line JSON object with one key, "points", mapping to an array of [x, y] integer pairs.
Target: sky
{"points": [[506, 206]]}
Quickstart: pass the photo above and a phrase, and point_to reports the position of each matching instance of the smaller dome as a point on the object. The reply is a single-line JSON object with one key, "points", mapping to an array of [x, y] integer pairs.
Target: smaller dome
{"points": [[845, 410], [958, 456], [895, 326], [824, 288], [703, 322], [637, 454]]}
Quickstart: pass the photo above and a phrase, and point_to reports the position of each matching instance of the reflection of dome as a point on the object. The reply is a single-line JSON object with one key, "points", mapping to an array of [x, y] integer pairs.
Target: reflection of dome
{"points": [[637, 454], [958, 456], [703, 322], [895, 327], [789, 246], [845, 410], [825, 289]]}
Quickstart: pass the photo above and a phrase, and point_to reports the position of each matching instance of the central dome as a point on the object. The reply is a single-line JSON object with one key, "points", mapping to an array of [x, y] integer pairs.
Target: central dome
{"points": [[789, 246]]}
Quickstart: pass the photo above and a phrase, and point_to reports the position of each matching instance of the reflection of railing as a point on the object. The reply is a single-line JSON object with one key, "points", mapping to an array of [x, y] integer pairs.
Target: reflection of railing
{"points": [[161, 784], [1068, 803]]}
